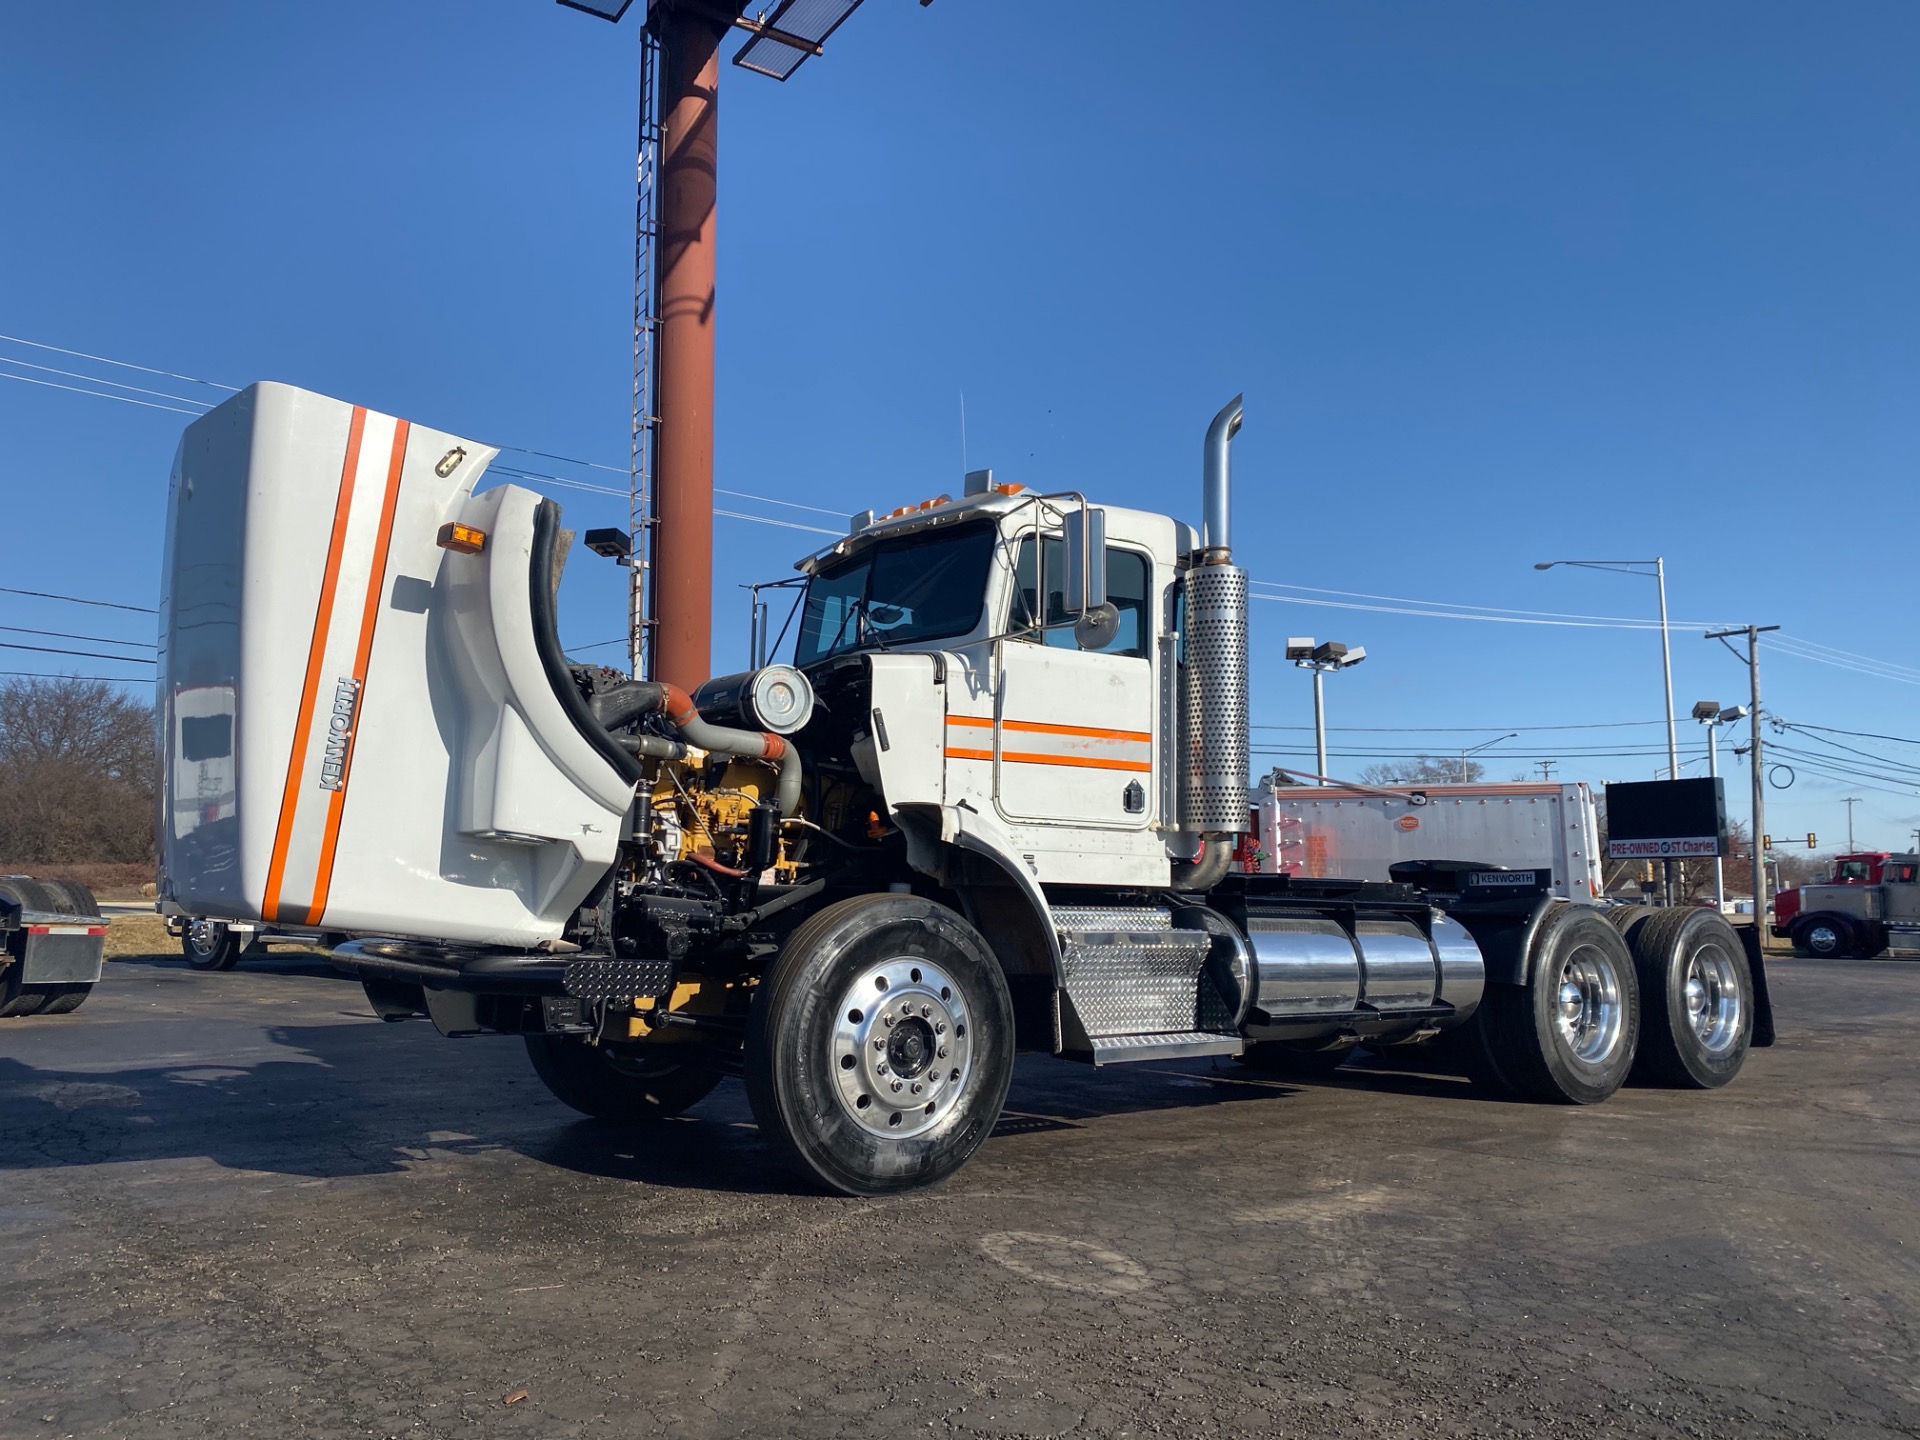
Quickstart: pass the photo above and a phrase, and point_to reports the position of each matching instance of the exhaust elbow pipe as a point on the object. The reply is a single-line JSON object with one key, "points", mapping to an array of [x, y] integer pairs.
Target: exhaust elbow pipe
{"points": [[1214, 730], [1216, 513]]}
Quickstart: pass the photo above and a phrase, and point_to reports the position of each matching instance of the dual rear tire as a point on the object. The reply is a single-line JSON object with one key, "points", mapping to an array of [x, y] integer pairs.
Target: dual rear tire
{"points": [[1665, 996]]}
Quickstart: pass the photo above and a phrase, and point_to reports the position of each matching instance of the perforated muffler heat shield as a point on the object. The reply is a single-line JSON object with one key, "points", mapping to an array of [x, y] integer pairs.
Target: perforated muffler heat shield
{"points": [[1213, 733]]}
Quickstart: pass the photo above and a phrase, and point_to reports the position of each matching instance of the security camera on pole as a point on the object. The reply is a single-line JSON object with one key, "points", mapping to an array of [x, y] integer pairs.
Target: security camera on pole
{"points": [[1331, 655]]}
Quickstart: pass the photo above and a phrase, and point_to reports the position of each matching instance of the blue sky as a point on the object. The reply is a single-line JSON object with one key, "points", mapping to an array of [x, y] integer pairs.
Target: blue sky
{"points": [[1502, 282]]}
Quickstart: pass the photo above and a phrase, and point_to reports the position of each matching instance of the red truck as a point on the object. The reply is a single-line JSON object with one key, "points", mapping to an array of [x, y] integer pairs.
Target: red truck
{"points": [[1871, 901]]}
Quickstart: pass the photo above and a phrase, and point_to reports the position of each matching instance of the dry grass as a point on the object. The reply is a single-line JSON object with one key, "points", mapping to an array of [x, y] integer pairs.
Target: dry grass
{"points": [[107, 881], [138, 936]]}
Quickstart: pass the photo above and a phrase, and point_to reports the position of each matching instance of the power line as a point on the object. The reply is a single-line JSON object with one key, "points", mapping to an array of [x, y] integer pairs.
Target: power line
{"points": [[124, 364], [1857, 734], [89, 654], [69, 635], [95, 379], [77, 600], [1460, 729], [97, 394], [104, 679], [1633, 622]]}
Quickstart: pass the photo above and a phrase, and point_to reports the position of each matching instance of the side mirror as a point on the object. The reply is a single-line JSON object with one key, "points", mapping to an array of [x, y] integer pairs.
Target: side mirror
{"points": [[1085, 533]]}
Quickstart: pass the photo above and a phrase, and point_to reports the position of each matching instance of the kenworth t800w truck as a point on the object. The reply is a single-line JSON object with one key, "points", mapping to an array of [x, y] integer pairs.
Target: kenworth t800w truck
{"points": [[991, 806]]}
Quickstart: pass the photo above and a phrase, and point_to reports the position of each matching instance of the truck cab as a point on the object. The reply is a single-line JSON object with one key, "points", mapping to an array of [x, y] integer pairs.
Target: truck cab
{"points": [[956, 673], [1872, 903]]}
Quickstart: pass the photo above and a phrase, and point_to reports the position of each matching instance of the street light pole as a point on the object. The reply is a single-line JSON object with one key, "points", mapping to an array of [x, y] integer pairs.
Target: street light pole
{"points": [[1850, 801], [1320, 723], [1659, 572], [1666, 666], [1331, 655]]}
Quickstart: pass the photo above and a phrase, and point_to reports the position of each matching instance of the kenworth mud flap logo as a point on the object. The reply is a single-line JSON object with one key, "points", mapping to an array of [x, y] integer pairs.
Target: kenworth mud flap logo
{"points": [[333, 759]]}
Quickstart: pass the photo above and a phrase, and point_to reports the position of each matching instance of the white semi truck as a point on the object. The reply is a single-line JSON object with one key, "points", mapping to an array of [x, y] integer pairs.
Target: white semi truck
{"points": [[991, 806]]}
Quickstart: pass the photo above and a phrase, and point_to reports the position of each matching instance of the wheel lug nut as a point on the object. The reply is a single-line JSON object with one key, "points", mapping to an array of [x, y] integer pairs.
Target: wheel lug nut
{"points": [[940, 1027], [943, 1052], [879, 1044], [896, 1085], [917, 1087], [889, 1019]]}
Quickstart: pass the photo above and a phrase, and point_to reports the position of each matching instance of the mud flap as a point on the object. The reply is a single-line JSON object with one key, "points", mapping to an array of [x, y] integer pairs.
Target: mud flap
{"points": [[1762, 999]]}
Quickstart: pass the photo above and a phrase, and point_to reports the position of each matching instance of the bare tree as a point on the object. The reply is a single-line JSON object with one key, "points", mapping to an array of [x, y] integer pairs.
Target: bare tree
{"points": [[78, 771], [1426, 770]]}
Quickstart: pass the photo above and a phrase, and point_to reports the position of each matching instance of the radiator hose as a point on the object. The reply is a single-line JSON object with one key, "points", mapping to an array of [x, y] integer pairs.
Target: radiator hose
{"points": [[629, 701]]}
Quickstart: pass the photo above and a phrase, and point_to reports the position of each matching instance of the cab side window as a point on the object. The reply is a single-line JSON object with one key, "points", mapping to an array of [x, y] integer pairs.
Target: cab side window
{"points": [[1128, 574]]}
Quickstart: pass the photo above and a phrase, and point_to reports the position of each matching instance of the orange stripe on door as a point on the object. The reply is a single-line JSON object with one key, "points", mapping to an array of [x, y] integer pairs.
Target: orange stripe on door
{"points": [[322, 620], [1023, 757], [376, 584], [1038, 727]]}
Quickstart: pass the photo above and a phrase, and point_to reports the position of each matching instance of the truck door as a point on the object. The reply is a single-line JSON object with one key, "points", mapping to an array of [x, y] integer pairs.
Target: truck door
{"points": [[1072, 729]]}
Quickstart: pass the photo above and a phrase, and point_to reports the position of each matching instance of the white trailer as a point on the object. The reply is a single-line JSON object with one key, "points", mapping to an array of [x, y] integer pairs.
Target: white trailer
{"points": [[991, 805], [1362, 831]]}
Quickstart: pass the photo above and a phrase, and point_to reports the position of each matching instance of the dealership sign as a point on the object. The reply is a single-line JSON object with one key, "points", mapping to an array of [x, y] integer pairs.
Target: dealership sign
{"points": [[1666, 820], [1672, 849]]}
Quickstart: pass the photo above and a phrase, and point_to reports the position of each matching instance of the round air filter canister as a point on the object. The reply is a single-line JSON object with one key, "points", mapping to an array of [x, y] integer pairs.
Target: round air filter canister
{"points": [[782, 699]]}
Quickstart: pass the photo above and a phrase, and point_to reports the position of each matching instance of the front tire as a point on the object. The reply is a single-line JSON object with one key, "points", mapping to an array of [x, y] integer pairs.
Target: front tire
{"points": [[881, 1045], [1823, 937], [209, 945], [619, 1086], [1568, 1035], [1697, 994]]}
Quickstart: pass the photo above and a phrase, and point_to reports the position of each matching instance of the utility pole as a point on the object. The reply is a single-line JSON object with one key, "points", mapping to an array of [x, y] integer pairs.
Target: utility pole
{"points": [[1752, 657], [1546, 768], [1850, 801]]}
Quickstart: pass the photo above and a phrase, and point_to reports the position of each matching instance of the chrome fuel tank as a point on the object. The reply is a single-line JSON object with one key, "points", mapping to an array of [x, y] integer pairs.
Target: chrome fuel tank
{"points": [[1320, 966]]}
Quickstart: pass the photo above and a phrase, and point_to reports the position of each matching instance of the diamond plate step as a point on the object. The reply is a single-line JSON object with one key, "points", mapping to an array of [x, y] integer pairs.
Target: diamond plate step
{"points": [[618, 979], [1127, 1049], [1129, 974]]}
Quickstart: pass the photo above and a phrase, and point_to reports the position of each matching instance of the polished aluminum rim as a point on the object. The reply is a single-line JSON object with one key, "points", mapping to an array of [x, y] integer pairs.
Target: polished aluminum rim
{"points": [[1714, 1008], [204, 936], [1589, 1012], [902, 1047], [1823, 939]]}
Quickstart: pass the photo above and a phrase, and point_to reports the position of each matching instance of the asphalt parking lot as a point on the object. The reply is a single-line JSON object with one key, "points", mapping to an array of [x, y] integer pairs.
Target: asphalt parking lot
{"points": [[236, 1203]]}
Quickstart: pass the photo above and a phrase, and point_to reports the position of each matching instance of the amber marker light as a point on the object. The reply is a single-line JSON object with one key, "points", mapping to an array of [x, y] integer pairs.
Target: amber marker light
{"points": [[461, 539]]}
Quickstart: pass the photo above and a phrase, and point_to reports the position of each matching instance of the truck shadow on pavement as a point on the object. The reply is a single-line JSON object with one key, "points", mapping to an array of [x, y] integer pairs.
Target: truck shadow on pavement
{"points": [[340, 1099]]}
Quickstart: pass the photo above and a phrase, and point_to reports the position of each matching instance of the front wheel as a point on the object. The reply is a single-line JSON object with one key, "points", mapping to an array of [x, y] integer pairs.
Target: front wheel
{"points": [[209, 945], [881, 1045], [1567, 1035], [621, 1086], [1823, 937]]}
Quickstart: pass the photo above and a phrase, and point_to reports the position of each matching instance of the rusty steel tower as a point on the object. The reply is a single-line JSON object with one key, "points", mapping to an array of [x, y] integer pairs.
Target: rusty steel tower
{"points": [[670, 506]]}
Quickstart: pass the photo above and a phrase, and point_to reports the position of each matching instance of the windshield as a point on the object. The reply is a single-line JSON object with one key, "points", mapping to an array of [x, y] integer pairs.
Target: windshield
{"points": [[896, 592]]}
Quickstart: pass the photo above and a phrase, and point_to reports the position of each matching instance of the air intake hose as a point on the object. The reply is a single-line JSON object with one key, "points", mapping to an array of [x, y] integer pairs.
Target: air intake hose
{"points": [[629, 701]]}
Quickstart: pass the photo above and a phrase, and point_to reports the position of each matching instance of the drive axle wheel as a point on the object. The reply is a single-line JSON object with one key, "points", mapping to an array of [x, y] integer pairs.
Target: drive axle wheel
{"points": [[620, 1086], [1697, 994], [881, 1045], [1568, 1034], [209, 945]]}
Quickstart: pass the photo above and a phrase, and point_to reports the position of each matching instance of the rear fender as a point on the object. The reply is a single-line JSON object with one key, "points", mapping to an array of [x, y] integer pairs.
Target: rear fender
{"points": [[1505, 938]]}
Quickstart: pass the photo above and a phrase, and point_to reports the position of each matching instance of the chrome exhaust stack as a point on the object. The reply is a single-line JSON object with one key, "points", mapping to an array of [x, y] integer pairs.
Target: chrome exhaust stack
{"points": [[1214, 735]]}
